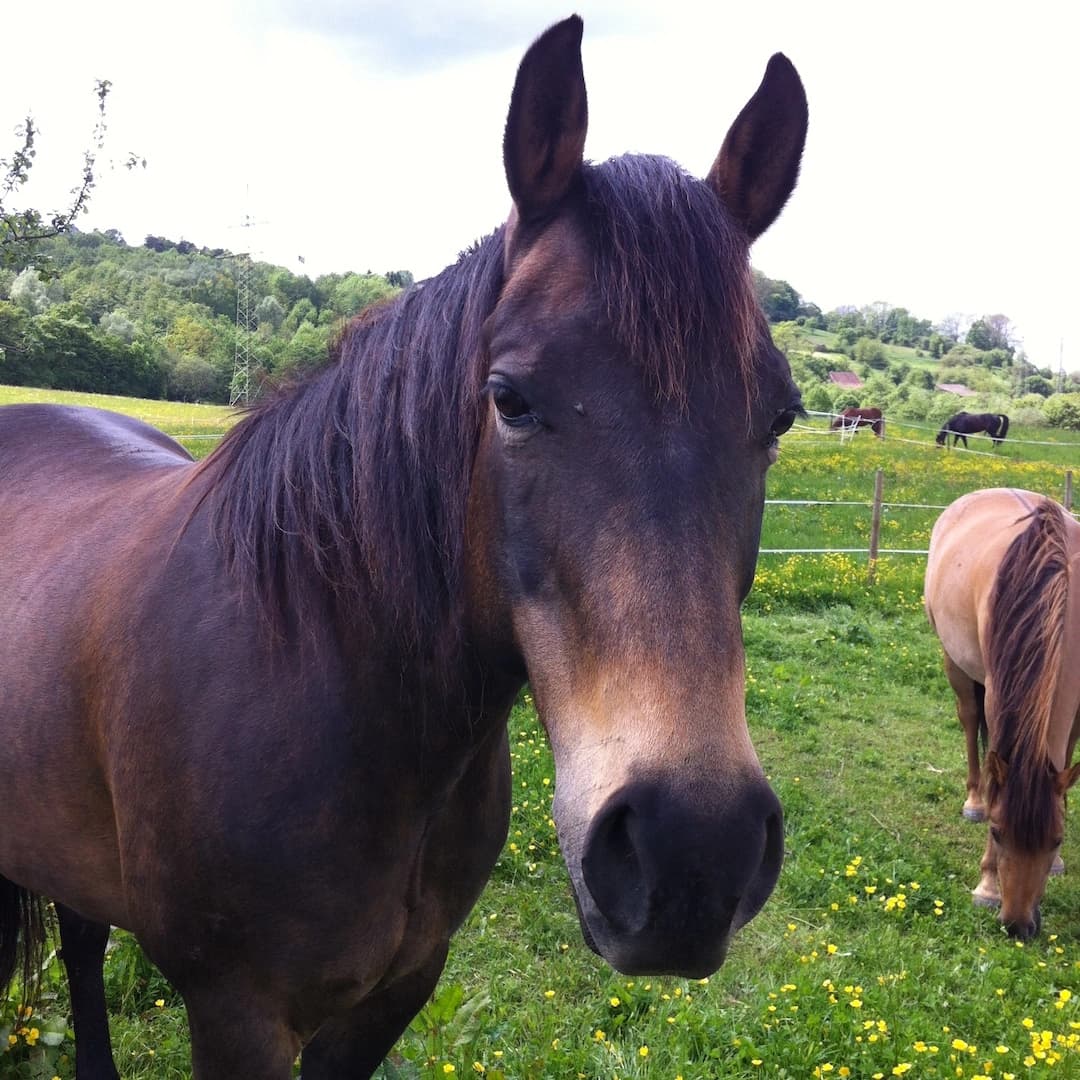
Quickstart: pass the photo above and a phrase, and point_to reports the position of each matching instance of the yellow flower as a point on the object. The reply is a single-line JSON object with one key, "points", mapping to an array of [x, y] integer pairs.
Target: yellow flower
{"points": [[614, 1002], [160, 1003], [448, 1068], [599, 1035], [549, 994], [478, 1067], [12, 1040], [32, 1036], [643, 1051], [959, 1044]]}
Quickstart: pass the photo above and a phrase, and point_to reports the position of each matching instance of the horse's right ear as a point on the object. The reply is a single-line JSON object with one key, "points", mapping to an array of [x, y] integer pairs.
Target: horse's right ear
{"points": [[758, 164], [544, 141]]}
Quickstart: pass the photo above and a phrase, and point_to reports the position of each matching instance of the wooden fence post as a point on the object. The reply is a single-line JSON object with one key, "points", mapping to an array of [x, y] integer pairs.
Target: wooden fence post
{"points": [[1067, 503], [875, 526]]}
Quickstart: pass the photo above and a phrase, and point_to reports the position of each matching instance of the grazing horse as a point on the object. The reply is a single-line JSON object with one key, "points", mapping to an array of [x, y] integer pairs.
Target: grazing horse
{"points": [[1003, 596], [255, 707], [963, 424], [852, 419]]}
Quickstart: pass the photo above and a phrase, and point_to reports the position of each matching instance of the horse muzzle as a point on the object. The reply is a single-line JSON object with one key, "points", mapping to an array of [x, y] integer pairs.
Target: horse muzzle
{"points": [[663, 885]]}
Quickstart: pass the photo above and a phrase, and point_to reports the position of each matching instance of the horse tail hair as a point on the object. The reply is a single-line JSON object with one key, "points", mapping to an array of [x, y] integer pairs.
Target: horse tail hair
{"points": [[23, 933], [1002, 428], [1024, 652]]}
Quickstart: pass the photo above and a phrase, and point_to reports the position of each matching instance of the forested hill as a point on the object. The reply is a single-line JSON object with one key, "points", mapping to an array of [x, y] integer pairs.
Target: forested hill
{"points": [[159, 319]]}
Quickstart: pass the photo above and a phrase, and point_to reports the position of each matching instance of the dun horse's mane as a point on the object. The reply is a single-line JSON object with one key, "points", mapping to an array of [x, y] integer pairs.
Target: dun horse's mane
{"points": [[354, 482], [1024, 655]]}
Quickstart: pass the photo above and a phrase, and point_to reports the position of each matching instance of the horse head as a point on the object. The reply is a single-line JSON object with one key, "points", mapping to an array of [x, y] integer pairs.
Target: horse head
{"points": [[635, 401], [1027, 821]]}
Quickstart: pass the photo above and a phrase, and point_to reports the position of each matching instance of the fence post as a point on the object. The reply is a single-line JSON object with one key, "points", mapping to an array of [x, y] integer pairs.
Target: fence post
{"points": [[1067, 503], [875, 526]]}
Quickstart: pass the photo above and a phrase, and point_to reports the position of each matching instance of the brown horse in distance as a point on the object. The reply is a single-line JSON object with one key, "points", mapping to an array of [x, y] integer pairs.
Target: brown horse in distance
{"points": [[1003, 595], [255, 707], [852, 419]]}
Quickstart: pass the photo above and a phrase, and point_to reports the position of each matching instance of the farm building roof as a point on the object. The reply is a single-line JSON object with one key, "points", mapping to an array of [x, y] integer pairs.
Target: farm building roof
{"points": [[957, 388], [845, 378]]}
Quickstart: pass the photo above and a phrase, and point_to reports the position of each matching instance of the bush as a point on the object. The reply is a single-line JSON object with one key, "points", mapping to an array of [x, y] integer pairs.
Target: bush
{"points": [[194, 379], [1063, 411]]}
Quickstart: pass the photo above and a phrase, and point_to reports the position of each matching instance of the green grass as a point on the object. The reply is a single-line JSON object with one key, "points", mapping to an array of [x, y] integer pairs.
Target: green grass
{"points": [[868, 961]]}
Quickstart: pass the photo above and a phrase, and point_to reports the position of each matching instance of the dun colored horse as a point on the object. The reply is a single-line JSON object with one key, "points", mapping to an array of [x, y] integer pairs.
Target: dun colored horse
{"points": [[852, 419], [963, 424], [1003, 596], [254, 709]]}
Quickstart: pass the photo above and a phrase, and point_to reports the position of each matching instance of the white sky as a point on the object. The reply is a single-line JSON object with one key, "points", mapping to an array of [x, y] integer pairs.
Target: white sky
{"points": [[939, 175]]}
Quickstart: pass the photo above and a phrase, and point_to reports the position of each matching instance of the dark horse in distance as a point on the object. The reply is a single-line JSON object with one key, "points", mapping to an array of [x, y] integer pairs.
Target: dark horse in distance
{"points": [[852, 419], [963, 424], [255, 707]]}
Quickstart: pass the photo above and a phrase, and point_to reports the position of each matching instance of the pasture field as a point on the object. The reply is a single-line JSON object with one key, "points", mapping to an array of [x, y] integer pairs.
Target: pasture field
{"points": [[869, 960]]}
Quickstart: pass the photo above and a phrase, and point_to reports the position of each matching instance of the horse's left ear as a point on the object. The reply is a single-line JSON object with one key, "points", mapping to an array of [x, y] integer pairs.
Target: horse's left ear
{"points": [[544, 141], [758, 164], [1067, 777]]}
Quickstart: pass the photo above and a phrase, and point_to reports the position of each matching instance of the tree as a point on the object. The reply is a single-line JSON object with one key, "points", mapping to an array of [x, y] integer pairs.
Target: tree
{"points": [[778, 299], [991, 332], [22, 230], [871, 352], [28, 291], [269, 312]]}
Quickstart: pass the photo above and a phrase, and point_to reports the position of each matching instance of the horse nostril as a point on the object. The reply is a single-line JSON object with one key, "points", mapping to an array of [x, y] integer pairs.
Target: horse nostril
{"points": [[613, 872]]}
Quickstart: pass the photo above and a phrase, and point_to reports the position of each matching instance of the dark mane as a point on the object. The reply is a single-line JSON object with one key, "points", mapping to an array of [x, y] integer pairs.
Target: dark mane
{"points": [[673, 271], [358, 477], [1027, 617]]}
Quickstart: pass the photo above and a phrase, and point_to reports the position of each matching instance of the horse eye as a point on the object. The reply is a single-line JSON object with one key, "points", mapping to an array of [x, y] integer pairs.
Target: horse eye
{"points": [[511, 405], [782, 424]]}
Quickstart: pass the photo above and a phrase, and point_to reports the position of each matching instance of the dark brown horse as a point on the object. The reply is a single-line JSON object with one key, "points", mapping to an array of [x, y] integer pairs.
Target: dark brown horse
{"points": [[254, 709], [963, 424], [1002, 594], [852, 419]]}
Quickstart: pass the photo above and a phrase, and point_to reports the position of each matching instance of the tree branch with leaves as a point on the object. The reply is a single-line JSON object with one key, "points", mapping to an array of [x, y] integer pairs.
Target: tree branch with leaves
{"points": [[22, 230]]}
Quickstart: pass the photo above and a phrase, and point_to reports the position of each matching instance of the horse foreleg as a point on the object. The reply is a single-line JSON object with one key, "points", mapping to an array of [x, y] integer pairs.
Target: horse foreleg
{"points": [[82, 950], [969, 711], [237, 1030], [988, 892], [355, 1043]]}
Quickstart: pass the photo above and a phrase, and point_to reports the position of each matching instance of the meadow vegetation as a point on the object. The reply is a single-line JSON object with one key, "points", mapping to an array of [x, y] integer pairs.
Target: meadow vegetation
{"points": [[869, 961]]}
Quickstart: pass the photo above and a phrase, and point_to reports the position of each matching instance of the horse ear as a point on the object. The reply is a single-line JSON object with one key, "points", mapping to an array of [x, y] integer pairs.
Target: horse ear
{"points": [[996, 767], [1067, 777], [758, 164], [544, 141]]}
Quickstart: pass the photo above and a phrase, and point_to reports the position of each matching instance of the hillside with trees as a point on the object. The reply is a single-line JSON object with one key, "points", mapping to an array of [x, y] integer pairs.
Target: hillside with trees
{"points": [[902, 359], [95, 314]]}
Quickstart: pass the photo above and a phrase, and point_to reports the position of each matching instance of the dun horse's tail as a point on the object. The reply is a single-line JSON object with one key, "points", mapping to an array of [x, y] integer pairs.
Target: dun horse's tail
{"points": [[1002, 428], [1024, 656], [22, 937]]}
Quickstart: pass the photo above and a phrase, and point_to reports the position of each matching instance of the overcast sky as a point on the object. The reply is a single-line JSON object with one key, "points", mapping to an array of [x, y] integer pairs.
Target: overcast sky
{"points": [[939, 174]]}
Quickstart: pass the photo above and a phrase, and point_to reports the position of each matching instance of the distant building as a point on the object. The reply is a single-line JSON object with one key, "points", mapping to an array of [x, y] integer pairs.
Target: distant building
{"points": [[957, 388], [845, 378]]}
